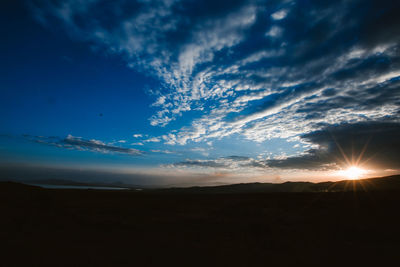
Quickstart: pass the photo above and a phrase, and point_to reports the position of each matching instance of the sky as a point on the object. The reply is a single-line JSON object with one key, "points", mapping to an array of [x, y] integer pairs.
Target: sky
{"points": [[174, 92]]}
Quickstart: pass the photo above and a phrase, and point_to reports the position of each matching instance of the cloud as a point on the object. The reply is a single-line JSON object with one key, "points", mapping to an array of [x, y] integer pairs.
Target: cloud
{"points": [[137, 144], [278, 15], [153, 139], [200, 163], [78, 143], [372, 144], [274, 31], [201, 150], [163, 151], [322, 62], [231, 163]]}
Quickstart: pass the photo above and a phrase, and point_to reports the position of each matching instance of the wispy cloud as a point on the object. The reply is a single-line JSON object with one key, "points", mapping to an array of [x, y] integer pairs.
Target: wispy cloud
{"points": [[163, 151], [261, 69], [78, 143], [152, 140], [137, 144], [231, 163], [369, 144], [274, 31], [278, 15]]}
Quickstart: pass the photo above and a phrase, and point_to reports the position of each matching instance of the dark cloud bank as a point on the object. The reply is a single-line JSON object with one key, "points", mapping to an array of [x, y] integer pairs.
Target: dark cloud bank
{"points": [[376, 144]]}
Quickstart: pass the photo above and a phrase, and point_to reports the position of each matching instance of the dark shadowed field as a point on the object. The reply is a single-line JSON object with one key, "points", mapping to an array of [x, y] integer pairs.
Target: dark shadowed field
{"points": [[45, 227]]}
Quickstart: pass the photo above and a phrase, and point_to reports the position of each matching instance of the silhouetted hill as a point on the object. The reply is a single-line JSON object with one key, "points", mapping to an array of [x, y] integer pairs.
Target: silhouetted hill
{"points": [[388, 183], [371, 184], [46, 227], [14, 186]]}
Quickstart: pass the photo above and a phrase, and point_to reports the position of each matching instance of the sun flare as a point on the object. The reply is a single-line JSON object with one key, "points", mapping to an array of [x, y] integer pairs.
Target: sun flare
{"points": [[353, 172]]}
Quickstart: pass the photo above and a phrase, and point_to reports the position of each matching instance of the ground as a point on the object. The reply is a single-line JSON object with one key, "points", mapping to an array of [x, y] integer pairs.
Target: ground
{"points": [[47, 227]]}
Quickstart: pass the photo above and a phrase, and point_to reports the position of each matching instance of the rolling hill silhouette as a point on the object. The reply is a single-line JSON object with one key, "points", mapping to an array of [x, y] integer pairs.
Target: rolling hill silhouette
{"points": [[289, 224], [371, 184]]}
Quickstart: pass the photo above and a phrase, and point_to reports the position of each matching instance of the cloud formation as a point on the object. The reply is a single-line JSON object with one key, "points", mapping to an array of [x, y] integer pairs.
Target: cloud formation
{"points": [[372, 144], [230, 163], [261, 69], [78, 143]]}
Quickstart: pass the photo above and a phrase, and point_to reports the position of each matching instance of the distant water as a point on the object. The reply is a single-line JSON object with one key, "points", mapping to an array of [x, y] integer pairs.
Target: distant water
{"points": [[79, 187]]}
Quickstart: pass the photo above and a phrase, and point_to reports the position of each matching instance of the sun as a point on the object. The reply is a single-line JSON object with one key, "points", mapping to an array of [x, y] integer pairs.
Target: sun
{"points": [[353, 172]]}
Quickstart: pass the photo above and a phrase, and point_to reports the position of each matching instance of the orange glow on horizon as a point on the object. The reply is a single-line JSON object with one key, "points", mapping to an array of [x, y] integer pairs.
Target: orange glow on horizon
{"points": [[353, 173]]}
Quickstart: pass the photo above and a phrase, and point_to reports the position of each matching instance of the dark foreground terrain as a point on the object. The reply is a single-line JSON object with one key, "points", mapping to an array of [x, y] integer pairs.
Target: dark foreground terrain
{"points": [[44, 227]]}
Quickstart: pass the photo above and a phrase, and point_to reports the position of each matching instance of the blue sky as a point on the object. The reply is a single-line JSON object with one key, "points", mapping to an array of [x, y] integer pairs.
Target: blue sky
{"points": [[214, 91]]}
